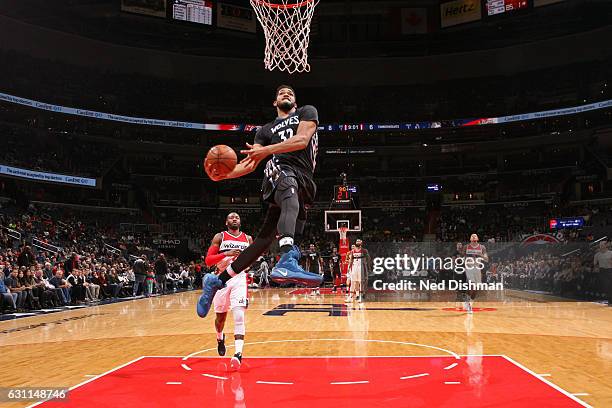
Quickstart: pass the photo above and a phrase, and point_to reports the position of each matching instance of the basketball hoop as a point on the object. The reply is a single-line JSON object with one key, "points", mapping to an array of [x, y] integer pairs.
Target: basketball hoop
{"points": [[286, 25]]}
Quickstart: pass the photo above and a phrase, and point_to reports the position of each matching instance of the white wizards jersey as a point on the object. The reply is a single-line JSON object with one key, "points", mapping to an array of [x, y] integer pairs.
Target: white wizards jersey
{"points": [[231, 242], [474, 251]]}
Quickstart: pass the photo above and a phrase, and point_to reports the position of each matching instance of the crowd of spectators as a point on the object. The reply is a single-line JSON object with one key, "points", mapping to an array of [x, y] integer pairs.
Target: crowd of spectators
{"points": [[553, 270], [68, 261], [142, 96], [43, 150]]}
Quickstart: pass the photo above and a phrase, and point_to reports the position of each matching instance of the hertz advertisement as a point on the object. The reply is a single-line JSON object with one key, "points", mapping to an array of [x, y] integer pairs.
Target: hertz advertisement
{"points": [[459, 12]]}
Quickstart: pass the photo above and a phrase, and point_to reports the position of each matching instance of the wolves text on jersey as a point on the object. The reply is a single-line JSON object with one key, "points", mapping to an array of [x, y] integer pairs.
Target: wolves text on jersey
{"points": [[293, 120]]}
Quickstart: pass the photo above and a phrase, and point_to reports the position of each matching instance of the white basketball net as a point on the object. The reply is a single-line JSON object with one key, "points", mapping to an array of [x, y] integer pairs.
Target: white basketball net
{"points": [[286, 25]]}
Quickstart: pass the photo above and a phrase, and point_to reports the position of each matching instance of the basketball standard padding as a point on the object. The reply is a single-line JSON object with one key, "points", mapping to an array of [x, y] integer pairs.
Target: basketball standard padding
{"points": [[220, 160]]}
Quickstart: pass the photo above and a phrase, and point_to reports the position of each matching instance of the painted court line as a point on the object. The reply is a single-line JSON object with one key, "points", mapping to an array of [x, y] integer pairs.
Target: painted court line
{"points": [[173, 383], [274, 383], [581, 394], [451, 366], [556, 387], [214, 376], [414, 376], [349, 382], [93, 379], [452, 382], [405, 343], [186, 367]]}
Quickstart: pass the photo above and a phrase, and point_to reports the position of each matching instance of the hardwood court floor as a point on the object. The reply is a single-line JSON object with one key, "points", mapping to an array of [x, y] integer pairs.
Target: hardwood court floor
{"points": [[568, 342]]}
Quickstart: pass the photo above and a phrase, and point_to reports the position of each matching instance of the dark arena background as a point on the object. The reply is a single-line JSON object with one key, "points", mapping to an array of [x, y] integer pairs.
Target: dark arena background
{"points": [[448, 133]]}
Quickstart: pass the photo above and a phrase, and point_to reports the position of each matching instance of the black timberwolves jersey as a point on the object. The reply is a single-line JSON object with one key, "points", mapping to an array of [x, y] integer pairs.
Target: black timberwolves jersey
{"points": [[335, 261], [313, 262], [302, 161]]}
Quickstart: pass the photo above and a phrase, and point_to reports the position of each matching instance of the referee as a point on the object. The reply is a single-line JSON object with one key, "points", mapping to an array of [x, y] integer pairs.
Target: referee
{"points": [[602, 261]]}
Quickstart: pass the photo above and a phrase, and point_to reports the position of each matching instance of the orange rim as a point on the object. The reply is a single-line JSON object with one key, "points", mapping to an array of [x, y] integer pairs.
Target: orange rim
{"points": [[282, 6]]}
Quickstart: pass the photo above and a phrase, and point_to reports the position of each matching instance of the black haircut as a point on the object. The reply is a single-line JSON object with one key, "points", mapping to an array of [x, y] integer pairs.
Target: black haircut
{"points": [[283, 87]]}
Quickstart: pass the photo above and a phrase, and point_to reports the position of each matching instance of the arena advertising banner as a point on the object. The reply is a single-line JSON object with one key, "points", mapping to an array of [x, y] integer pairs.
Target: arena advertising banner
{"points": [[344, 127], [172, 246], [437, 271], [236, 18], [46, 177], [459, 12], [154, 8]]}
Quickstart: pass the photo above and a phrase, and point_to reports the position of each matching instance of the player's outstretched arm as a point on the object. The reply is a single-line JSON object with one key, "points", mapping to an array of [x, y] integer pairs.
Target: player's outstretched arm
{"points": [[213, 256], [306, 129]]}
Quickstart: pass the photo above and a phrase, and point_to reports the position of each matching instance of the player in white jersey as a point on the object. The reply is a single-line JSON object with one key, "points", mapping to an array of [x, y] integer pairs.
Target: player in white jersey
{"points": [[474, 273], [225, 247], [359, 259]]}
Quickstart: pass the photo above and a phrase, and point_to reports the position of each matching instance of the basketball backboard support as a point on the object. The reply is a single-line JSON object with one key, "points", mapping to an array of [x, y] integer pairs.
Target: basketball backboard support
{"points": [[335, 219]]}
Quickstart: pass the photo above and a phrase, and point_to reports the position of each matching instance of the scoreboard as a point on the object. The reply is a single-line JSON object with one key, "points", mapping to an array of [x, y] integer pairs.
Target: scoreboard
{"points": [[344, 193], [504, 6], [193, 11]]}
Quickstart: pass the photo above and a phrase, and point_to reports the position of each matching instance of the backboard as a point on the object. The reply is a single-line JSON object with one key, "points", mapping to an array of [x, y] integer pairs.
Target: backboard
{"points": [[334, 219]]}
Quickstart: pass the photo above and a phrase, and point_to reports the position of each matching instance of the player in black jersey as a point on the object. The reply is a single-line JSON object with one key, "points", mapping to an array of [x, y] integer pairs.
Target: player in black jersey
{"points": [[288, 186], [314, 262], [335, 262]]}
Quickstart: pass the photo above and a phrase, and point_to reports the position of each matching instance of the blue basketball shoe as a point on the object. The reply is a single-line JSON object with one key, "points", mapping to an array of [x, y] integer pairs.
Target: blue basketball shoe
{"points": [[210, 285], [287, 270]]}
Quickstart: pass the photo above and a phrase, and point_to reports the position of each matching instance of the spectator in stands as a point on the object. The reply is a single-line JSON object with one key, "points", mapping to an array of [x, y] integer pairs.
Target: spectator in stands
{"points": [[7, 295], [105, 287], [77, 290], [26, 279], [171, 280], [150, 282], [58, 282], [26, 257], [47, 271], [44, 291], [602, 261], [114, 283], [161, 270], [12, 282], [129, 279], [71, 263], [92, 288], [140, 274], [184, 277]]}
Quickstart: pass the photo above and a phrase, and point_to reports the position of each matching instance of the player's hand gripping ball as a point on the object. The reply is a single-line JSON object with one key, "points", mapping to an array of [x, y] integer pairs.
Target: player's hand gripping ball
{"points": [[220, 161]]}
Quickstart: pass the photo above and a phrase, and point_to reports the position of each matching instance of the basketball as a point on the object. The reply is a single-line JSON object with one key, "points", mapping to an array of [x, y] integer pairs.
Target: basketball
{"points": [[220, 160]]}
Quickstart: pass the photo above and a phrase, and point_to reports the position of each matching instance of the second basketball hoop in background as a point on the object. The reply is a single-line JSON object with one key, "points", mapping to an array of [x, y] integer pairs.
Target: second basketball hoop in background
{"points": [[286, 25]]}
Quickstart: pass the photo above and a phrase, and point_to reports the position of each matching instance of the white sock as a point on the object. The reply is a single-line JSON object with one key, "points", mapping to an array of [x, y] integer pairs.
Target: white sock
{"points": [[239, 344], [285, 241], [219, 335]]}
